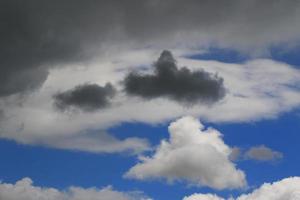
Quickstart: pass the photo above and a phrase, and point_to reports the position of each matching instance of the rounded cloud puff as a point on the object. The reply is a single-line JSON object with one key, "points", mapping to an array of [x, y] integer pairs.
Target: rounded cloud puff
{"points": [[192, 154]]}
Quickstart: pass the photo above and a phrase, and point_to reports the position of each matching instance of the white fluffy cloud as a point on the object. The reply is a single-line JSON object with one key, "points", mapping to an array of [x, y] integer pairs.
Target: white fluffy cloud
{"points": [[203, 197], [194, 154], [25, 190], [256, 90], [285, 189]]}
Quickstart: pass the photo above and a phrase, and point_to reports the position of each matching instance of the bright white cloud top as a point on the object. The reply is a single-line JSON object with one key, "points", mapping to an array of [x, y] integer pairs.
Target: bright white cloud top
{"points": [[25, 190], [193, 154], [34, 120], [287, 189], [72, 71], [203, 197]]}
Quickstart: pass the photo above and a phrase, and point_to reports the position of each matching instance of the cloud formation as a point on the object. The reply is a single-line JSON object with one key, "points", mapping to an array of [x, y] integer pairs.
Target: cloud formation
{"points": [[31, 42], [25, 190], [262, 153], [203, 197], [97, 142], [181, 85], [87, 97], [36, 36], [193, 154], [246, 100], [287, 189]]}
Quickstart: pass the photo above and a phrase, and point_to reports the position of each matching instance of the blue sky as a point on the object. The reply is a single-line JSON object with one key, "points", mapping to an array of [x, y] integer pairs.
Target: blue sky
{"points": [[149, 100], [60, 169]]}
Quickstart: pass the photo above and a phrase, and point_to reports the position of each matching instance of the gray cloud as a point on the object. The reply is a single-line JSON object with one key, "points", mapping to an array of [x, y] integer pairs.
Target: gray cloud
{"points": [[87, 97], [36, 35], [30, 41], [262, 153], [235, 154], [181, 84]]}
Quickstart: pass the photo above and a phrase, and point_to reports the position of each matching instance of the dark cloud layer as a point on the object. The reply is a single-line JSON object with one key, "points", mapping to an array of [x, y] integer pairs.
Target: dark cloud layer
{"points": [[28, 43], [87, 97], [36, 35], [181, 84]]}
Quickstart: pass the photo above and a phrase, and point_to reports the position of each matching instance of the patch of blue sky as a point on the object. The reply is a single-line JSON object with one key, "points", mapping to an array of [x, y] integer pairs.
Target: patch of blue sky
{"points": [[61, 168], [289, 56], [221, 55]]}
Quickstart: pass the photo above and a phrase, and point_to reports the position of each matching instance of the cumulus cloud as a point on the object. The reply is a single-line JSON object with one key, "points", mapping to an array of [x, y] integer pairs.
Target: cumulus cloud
{"points": [[181, 84], [287, 189], [87, 97], [37, 35], [25, 190], [193, 154], [262, 153]]}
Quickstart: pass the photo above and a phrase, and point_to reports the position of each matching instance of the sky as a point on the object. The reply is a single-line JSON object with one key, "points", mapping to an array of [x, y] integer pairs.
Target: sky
{"points": [[149, 100]]}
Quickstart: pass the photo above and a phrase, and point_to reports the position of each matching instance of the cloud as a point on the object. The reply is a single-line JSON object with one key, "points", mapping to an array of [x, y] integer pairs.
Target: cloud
{"points": [[193, 154], [25, 190], [178, 84], [30, 44], [235, 153], [259, 153], [203, 197], [36, 36], [20, 80], [255, 90], [87, 97], [262, 153], [98, 142], [287, 189]]}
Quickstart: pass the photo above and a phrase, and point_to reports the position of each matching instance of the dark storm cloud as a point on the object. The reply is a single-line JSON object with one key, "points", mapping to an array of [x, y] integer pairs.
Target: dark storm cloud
{"points": [[1, 114], [27, 43], [181, 84], [87, 97], [36, 35]]}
